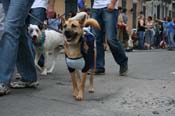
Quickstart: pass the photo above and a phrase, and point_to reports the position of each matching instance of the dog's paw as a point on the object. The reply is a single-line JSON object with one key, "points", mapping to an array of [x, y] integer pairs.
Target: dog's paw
{"points": [[91, 90], [44, 73], [80, 96], [75, 93], [50, 71]]}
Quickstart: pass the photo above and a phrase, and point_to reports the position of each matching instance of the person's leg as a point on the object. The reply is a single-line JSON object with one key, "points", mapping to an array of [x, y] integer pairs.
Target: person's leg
{"points": [[25, 59], [171, 40], [40, 13], [147, 38], [14, 23], [116, 47], [141, 40], [2, 16], [100, 58]]}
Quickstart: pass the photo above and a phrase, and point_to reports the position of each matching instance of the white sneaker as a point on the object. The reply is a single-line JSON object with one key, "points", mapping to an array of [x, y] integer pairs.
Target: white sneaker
{"points": [[21, 84]]}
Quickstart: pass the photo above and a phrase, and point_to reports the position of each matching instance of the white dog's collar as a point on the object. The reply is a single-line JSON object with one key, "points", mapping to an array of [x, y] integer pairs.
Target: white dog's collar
{"points": [[40, 43]]}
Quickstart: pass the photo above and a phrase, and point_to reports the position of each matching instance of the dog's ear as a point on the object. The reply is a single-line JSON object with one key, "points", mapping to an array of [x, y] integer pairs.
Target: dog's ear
{"points": [[41, 26], [29, 27], [82, 21]]}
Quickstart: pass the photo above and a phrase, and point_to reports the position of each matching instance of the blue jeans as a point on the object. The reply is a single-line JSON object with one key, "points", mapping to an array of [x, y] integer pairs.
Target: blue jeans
{"points": [[149, 37], [171, 43], [40, 13], [141, 39], [1, 20], [108, 21], [15, 45]]}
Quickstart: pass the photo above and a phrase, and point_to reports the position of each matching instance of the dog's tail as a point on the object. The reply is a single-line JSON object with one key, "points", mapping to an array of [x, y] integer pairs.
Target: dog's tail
{"points": [[91, 22]]}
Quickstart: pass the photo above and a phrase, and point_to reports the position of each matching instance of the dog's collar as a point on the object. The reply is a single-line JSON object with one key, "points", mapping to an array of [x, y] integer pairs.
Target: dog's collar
{"points": [[41, 41], [74, 58]]}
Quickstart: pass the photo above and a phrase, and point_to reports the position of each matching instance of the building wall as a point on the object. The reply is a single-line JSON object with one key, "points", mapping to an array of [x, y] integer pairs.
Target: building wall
{"points": [[129, 6], [60, 6]]}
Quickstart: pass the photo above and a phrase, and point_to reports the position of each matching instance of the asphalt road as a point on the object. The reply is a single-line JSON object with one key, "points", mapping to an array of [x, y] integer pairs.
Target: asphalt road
{"points": [[148, 90]]}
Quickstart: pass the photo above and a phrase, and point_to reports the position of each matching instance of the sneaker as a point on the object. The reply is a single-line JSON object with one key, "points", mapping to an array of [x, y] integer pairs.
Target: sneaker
{"points": [[21, 84], [18, 76], [99, 71], [4, 90], [129, 50], [123, 70]]}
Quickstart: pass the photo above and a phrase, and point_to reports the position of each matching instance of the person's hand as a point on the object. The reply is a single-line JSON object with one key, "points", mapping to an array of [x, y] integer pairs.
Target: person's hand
{"points": [[111, 7], [50, 12]]}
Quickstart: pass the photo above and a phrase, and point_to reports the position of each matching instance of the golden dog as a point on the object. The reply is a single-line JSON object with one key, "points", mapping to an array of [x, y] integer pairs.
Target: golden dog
{"points": [[75, 58]]}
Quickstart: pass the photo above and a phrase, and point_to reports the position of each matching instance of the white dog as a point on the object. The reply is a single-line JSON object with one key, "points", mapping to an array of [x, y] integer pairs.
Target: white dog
{"points": [[45, 42]]}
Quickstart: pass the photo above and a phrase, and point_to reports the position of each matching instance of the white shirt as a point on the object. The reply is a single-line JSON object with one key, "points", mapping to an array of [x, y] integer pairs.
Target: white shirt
{"points": [[40, 3], [103, 3]]}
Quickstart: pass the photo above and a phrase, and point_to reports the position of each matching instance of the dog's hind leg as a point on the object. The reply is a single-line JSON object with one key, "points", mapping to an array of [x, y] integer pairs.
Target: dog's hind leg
{"points": [[91, 81], [54, 55], [74, 83], [81, 87], [92, 71], [52, 67], [44, 72]]}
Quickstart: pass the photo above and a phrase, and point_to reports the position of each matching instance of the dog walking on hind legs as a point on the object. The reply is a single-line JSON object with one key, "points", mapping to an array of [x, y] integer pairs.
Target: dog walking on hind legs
{"points": [[79, 52]]}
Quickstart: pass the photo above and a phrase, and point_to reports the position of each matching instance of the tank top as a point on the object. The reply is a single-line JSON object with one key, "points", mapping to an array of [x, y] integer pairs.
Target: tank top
{"points": [[140, 28]]}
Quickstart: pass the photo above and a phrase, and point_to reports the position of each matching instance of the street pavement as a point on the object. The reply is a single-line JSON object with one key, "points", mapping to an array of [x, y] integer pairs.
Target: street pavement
{"points": [[148, 90]]}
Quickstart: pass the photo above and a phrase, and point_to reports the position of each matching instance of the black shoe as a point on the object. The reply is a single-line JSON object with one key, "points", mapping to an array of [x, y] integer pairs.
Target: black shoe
{"points": [[99, 71], [123, 70]]}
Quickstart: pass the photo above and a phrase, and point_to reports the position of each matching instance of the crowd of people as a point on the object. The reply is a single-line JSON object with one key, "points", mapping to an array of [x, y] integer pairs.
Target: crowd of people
{"points": [[150, 33], [154, 33]]}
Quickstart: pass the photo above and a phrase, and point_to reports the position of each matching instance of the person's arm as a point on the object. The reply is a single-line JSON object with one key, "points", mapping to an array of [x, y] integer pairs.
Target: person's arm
{"points": [[50, 8], [51, 3], [111, 6], [142, 24]]}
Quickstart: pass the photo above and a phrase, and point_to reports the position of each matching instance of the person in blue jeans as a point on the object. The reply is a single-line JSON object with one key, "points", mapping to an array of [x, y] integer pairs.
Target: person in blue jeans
{"points": [[170, 32], [105, 12], [141, 31], [15, 46]]}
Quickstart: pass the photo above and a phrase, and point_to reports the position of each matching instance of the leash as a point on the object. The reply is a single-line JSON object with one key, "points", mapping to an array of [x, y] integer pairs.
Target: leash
{"points": [[37, 19]]}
